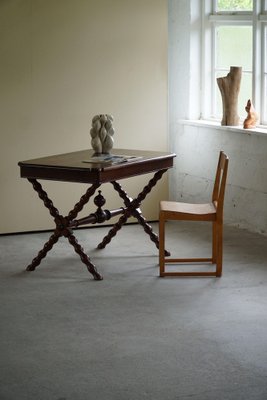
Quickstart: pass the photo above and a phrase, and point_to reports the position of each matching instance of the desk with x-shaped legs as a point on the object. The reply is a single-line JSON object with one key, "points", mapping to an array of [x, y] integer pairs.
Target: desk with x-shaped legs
{"points": [[70, 167]]}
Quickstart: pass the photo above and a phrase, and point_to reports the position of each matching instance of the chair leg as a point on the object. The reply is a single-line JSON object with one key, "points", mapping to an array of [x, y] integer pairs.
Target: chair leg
{"points": [[161, 245], [216, 253], [219, 249], [214, 242]]}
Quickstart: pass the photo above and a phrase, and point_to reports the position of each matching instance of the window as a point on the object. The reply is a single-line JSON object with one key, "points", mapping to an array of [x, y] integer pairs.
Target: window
{"points": [[235, 31]]}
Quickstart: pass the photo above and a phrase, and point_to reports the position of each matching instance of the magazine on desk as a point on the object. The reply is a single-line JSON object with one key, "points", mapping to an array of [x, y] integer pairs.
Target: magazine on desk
{"points": [[111, 159]]}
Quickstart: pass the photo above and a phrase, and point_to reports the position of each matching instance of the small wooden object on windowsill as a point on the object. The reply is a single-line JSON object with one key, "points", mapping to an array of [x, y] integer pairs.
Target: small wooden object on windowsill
{"points": [[252, 117], [229, 87]]}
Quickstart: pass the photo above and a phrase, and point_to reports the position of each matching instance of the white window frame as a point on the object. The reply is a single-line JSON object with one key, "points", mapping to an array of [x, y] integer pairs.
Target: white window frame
{"points": [[258, 20]]}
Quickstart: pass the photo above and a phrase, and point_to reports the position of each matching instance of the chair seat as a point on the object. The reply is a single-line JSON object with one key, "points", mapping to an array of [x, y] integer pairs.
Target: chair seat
{"points": [[187, 211]]}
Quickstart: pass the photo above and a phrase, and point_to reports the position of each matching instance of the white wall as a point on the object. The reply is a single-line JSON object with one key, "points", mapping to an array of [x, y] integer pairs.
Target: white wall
{"points": [[62, 62], [246, 195], [198, 147]]}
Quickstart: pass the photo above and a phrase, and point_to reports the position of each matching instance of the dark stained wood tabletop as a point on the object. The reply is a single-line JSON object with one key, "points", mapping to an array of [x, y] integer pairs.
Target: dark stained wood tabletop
{"points": [[71, 167]]}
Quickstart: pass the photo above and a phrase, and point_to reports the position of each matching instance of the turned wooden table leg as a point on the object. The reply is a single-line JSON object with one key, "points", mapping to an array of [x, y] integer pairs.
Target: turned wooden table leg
{"points": [[63, 228], [42, 253], [84, 258], [133, 209]]}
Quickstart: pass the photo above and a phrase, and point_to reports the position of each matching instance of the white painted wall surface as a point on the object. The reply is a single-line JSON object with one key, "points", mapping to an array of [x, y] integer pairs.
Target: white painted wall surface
{"points": [[197, 147], [246, 194], [62, 62]]}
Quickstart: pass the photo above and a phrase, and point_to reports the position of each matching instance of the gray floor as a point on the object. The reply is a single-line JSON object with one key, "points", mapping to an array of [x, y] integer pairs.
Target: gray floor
{"points": [[134, 335]]}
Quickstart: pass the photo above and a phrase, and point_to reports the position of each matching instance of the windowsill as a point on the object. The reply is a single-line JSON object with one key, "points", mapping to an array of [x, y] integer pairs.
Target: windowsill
{"points": [[261, 131]]}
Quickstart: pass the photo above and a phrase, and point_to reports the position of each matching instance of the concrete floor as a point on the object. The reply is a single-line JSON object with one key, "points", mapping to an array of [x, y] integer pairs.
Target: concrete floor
{"points": [[133, 336]]}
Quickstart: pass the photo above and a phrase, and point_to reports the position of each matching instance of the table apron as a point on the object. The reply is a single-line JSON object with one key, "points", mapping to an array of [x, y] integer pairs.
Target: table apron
{"points": [[91, 176]]}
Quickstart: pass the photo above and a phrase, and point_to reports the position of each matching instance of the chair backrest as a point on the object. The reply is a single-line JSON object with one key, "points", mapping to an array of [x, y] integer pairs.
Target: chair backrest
{"points": [[219, 184]]}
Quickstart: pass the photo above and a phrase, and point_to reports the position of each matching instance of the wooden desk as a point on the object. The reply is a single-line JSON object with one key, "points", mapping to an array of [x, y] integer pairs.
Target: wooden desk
{"points": [[71, 167]]}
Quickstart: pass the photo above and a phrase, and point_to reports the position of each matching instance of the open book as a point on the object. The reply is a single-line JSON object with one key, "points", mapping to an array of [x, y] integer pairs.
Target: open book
{"points": [[111, 159]]}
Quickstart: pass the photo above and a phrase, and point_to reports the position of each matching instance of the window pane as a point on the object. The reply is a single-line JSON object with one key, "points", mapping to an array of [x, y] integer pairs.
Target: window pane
{"points": [[234, 5], [234, 47], [244, 95]]}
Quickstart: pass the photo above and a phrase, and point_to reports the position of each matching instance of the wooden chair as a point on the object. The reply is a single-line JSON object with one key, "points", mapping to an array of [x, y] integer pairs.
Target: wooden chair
{"points": [[211, 212]]}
